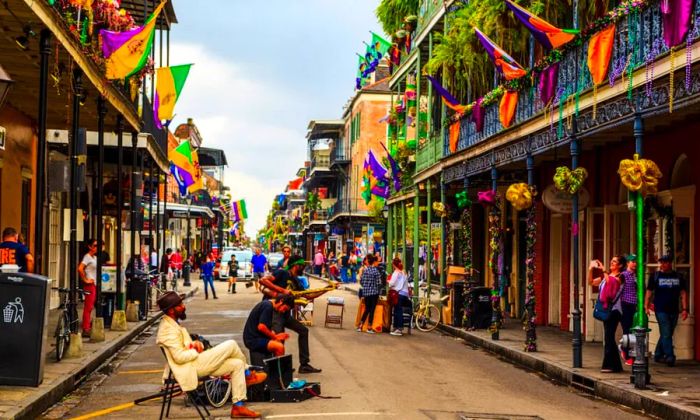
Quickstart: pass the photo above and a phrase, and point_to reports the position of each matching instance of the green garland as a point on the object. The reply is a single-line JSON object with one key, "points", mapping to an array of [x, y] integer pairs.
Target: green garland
{"points": [[467, 259], [530, 315], [494, 263]]}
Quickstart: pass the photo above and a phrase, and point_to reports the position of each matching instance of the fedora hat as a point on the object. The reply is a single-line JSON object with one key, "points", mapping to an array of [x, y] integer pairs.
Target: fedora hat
{"points": [[169, 300]]}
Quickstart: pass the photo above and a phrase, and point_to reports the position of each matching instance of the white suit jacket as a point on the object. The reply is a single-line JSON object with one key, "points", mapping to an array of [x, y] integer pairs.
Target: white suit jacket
{"points": [[176, 340]]}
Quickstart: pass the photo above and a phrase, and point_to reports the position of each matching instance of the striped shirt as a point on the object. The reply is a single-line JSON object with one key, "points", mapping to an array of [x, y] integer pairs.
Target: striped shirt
{"points": [[371, 281], [629, 287]]}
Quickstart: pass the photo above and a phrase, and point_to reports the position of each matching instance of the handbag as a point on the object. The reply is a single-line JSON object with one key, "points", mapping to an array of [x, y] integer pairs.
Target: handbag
{"points": [[393, 297], [599, 312]]}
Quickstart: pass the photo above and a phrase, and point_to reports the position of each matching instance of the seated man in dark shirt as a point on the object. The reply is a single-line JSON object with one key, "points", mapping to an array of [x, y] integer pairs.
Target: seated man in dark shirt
{"points": [[258, 335], [282, 282]]}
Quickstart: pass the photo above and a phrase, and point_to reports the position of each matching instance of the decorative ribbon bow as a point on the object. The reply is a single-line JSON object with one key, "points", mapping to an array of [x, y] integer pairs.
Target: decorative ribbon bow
{"points": [[640, 174], [487, 197], [439, 208], [520, 196], [569, 181], [462, 200]]}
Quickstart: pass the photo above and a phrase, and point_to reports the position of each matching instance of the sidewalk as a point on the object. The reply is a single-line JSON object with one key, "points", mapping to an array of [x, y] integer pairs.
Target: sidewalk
{"points": [[60, 378], [673, 392]]}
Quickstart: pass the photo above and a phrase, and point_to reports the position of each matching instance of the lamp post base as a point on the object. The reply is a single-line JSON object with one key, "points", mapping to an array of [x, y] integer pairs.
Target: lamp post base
{"points": [[577, 341], [640, 369]]}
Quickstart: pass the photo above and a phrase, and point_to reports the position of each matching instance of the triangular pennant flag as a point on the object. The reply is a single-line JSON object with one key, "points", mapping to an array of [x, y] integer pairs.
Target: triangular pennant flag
{"points": [[545, 33], [505, 64]]}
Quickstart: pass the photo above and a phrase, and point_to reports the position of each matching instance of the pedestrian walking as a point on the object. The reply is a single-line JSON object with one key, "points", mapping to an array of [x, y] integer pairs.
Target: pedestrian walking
{"points": [[345, 267], [176, 263], [154, 259], [353, 268], [166, 271], [259, 263], [370, 282], [87, 270], [208, 277], [232, 274], [189, 361], [609, 295], [666, 286], [319, 261], [398, 295], [12, 251]]}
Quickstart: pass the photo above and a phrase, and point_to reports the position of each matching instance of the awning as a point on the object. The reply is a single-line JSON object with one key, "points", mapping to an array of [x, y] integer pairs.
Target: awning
{"points": [[177, 210]]}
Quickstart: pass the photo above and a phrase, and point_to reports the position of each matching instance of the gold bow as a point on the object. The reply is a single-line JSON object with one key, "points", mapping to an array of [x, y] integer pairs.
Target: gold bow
{"points": [[439, 208], [569, 181], [640, 175], [520, 196]]}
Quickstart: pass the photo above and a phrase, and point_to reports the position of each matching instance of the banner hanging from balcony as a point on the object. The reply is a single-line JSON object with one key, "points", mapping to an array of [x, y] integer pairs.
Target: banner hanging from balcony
{"points": [[447, 98], [295, 184], [374, 179], [676, 18], [599, 52], [506, 65], [127, 52], [454, 136], [395, 170], [506, 109], [184, 165], [545, 33], [548, 83], [239, 211], [169, 84]]}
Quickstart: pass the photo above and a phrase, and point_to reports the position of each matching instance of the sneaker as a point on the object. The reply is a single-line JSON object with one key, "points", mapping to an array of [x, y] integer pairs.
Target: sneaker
{"points": [[307, 368], [671, 361], [623, 354], [629, 362], [243, 412], [359, 330], [660, 359], [370, 331], [396, 332], [255, 378]]}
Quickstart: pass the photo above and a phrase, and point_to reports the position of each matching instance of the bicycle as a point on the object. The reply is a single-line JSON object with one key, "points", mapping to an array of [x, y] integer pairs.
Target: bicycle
{"points": [[63, 327], [427, 316]]}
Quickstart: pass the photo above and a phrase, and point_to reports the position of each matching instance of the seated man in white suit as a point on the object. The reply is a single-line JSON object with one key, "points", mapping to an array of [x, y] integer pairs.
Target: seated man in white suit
{"points": [[189, 361]]}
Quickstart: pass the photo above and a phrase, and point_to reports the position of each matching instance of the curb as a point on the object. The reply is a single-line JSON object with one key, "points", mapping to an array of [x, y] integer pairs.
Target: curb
{"points": [[628, 397], [33, 406]]}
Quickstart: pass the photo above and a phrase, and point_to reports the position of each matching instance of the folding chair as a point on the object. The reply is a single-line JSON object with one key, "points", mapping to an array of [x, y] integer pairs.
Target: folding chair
{"points": [[171, 386], [337, 318], [305, 313]]}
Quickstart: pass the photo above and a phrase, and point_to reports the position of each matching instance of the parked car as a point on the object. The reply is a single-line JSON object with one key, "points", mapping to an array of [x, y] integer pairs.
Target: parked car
{"points": [[273, 259], [243, 257]]}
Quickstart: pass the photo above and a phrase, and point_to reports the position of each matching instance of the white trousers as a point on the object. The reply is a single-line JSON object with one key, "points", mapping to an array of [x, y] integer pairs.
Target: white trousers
{"points": [[225, 359]]}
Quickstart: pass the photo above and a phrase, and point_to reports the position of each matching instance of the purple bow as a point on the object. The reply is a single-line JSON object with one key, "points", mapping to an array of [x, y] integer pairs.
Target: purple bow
{"points": [[487, 197]]}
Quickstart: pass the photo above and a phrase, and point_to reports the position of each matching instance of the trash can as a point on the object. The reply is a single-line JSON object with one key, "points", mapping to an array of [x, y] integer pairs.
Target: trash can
{"points": [[137, 291], [186, 273], [480, 308], [24, 301], [109, 303], [457, 303]]}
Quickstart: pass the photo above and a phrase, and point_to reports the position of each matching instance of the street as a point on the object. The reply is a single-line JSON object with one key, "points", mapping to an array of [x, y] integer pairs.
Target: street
{"points": [[418, 376]]}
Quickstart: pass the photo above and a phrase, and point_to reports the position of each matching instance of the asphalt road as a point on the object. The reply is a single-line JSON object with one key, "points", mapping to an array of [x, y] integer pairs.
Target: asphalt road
{"points": [[421, 376]]}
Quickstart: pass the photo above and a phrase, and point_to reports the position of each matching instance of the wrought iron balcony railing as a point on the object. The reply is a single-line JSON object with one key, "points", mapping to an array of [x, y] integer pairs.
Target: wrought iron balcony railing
{"points": [[642, 48], [428, 154]]}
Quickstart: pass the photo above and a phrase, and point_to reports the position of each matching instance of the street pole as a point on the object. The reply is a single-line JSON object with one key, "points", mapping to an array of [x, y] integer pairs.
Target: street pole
{"points": [[132, 199], [530, 326], [73, 244], [443, 244], [120, 209], [496, 268], [40, 198], [189, 248], [640, 368], [429, 231], [416, 239], [151, 245], [577, 341], [101, 113]]}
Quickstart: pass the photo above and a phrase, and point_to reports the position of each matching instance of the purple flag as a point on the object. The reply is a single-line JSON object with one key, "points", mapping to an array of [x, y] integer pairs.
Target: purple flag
{"points": [[478, 115], [676, 16], [378, 171], [395, 170], [548, 83]]}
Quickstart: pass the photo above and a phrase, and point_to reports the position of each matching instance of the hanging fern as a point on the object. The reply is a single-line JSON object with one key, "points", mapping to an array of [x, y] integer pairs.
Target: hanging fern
{"points": [[391, 13]]}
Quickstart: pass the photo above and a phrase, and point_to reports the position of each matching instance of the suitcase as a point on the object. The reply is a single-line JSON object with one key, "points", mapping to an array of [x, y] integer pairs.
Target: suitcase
{"points": [[279, 376]]}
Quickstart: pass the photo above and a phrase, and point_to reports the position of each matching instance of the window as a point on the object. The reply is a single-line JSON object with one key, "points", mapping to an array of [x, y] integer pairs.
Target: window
{"points": [[26, 208]]}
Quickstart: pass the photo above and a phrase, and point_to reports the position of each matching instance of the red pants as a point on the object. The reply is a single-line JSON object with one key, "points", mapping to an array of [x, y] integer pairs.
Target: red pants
{"points": [[89, 305]]}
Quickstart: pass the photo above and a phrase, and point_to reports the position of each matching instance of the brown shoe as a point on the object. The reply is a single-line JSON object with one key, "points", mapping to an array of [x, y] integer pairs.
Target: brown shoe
{"points": [[243, 412], [255, 378]]}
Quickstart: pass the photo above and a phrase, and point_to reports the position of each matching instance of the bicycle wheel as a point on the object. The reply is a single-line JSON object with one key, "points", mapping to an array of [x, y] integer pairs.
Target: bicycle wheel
{"points": [[218, 391], [62, 336], [428, 319]]}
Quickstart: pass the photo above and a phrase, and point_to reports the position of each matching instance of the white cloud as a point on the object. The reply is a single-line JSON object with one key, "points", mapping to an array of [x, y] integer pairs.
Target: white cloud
{"points": [[250, 120]]}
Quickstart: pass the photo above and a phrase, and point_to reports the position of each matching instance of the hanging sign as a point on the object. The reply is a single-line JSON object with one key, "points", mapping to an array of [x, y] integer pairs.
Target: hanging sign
{"points": [[562, 202], [3, 134]]}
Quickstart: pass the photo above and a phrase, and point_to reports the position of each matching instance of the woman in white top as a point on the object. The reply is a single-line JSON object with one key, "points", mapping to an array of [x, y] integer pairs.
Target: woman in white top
{"points": [[88, 273], [398, 283]]}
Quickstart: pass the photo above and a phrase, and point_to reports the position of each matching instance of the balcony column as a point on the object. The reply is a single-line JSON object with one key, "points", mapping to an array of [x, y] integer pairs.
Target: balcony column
{"points": [[530, 326], [495, 227], [157, 217], [403, 232], [152, 246], [165, 223], [73, 244], [389, 239], [429, 239], [132, 201], [416, 240], [40, 198], [577, 340], [120, 209], [443, 245], [101, 113]]}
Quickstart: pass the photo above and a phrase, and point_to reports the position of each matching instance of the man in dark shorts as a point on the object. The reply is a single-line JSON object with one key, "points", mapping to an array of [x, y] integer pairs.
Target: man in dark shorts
{"points": [[283, 282], [14, 252], [258, 335]]}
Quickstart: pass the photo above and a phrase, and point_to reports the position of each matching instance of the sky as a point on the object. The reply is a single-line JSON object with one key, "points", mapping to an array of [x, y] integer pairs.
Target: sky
{"points": [[262, 71]]}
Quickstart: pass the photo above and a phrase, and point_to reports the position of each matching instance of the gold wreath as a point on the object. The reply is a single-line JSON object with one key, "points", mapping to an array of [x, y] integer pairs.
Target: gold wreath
{"points": [[569, 181], [520, 196], [640, 175]]}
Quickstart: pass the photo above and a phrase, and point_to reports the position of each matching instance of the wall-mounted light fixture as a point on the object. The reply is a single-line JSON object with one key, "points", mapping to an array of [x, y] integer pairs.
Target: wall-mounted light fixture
{"points": [[5, 84]]}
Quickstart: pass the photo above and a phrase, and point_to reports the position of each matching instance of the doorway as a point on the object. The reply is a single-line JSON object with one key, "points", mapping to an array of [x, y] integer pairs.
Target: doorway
{"points": [[555, 258]]}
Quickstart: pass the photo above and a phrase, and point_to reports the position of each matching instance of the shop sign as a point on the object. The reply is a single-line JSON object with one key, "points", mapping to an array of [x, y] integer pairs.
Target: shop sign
{"points": [[562, 202], [3, 135]]}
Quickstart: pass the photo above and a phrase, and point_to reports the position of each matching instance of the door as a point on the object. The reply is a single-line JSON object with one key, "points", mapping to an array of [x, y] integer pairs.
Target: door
{"points": [[555, 257], [594, 247]]}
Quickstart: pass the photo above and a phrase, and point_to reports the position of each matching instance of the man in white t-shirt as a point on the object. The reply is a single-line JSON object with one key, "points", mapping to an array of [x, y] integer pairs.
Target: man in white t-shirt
{"points": [[88, 273]]}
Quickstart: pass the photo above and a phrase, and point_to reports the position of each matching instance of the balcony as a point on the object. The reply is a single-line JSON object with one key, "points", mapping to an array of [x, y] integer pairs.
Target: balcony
{"points": [[428, 154], [573, 75], [427, 10], [340, 155]]}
